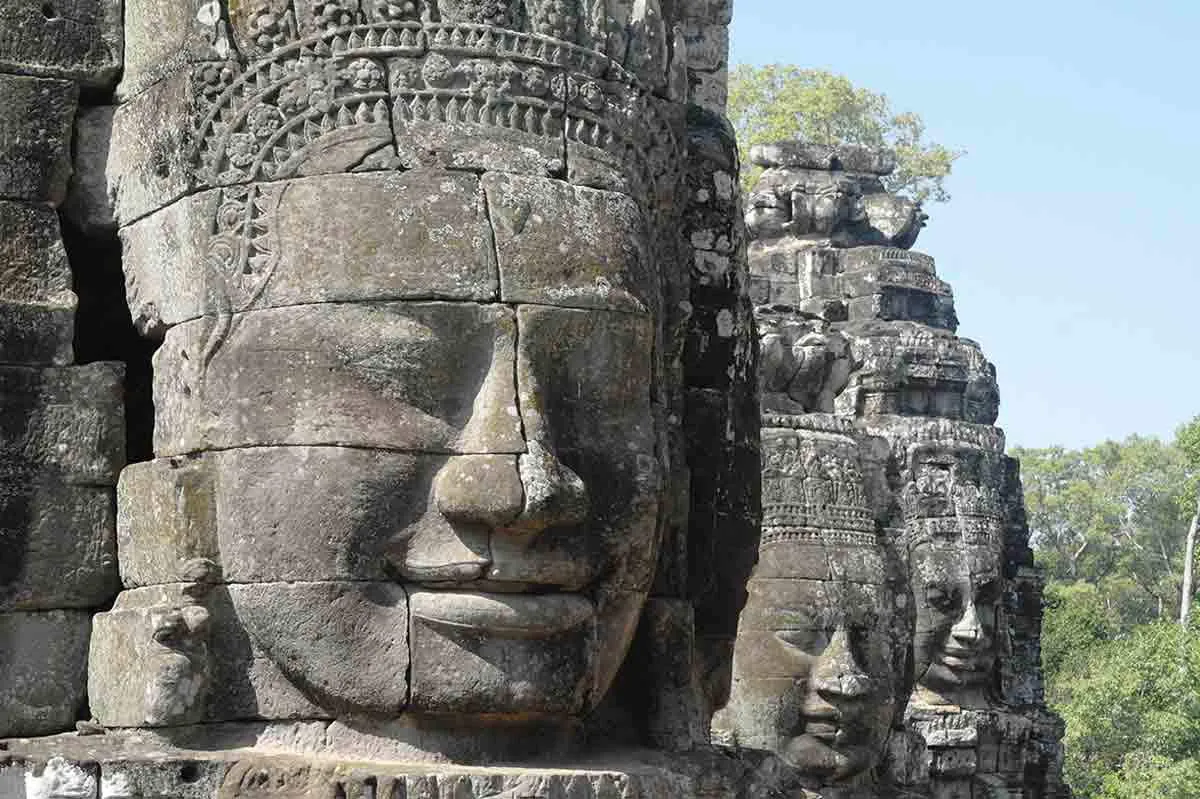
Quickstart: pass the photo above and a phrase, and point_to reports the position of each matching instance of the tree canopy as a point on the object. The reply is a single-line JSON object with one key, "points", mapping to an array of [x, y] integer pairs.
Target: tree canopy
{"points": [[1109, 525], [777, 102]]}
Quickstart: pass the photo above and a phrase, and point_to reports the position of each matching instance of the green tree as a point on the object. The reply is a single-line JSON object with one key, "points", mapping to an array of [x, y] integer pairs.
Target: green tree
{"points": [[1132, 708], [1187, 441], [777, 102], [1076, 622], [1114, 516]]}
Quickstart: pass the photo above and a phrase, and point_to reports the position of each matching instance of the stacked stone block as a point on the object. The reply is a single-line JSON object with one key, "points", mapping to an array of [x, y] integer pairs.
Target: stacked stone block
{"points": [[61, 425]]}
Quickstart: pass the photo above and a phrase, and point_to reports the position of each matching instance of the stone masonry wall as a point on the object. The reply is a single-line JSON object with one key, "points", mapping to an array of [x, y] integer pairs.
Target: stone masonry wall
{"points": [[61, 425]]}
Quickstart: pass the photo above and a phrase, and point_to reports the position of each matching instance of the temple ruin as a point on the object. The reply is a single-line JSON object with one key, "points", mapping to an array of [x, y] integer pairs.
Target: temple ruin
{"points": [[401, 400]]}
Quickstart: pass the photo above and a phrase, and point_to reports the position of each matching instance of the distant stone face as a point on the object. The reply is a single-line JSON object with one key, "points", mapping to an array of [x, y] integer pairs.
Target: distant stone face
{"points": [[821, 637], [888, 501]]}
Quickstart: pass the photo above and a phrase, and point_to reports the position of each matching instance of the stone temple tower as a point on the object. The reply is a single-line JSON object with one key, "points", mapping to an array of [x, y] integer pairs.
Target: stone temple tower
{"points": [[895, 588]]}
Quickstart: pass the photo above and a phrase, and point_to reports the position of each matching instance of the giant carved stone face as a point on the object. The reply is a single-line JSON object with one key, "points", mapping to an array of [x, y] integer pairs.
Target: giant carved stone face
{"points": [[429, 505], [411, 397], [955, 527], [817, 648]]}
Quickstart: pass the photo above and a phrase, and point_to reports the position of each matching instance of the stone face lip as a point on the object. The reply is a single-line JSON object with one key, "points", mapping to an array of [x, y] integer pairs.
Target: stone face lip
{"points": [[845, 157], [506, 615]]}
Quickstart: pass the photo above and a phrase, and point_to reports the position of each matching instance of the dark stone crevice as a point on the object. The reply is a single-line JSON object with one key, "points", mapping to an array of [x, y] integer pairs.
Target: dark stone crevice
{"points": [[104, 330]]}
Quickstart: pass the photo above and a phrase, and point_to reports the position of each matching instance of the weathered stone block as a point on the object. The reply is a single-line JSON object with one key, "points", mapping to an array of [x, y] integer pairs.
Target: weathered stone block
{"points": [[37, 306], [707, 45], [345, 643], [165, 36], [65, 422], [582, 378], [35, 129], [338, 238], [914, 370], [36, 333], [57, 778], [237, 510], [709, 90], [59, 544], [439, 122], [89, 206], [568, 246], [33, 260], [176, 654], [79, 40], [476, 652], [43, 670], [421, 377], [152, 161]]}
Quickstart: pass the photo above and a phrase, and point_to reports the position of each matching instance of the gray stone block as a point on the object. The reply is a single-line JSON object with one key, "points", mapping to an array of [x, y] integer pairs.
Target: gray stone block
{"points": [[177, 654], [151, 162], [35, 333], [37, 306], [89, 205], [238, 510], [43, 670], [33, 260], [382, 236], [65, 422], [420, 377], [35, 130], [165, 36], [79, 40], [59, 544], [568, 246]]}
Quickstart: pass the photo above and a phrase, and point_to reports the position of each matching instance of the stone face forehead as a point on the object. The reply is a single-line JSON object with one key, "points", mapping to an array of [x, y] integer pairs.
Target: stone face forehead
{"points": [[939, 560], [802, 604]]}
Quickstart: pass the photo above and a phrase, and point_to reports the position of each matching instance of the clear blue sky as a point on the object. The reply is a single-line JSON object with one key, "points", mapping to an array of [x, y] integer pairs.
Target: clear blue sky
{"points": [[1071, 238]]}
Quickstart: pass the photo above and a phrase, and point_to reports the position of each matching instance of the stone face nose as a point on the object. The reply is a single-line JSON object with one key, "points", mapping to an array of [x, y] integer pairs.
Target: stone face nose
{"points": [[555, 496], [480, 490], [521, 495], [837, 673], [968, 630]]}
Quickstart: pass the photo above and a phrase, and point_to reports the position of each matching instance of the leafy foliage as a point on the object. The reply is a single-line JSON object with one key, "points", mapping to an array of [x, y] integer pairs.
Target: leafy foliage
{"points": [[1109, 525], [1115, 516], [777, 102], [1132, 708]]}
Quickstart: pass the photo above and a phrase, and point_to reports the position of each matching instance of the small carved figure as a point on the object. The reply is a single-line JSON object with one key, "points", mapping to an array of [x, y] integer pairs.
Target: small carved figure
{"points": [[803, 365], [181, 675]]}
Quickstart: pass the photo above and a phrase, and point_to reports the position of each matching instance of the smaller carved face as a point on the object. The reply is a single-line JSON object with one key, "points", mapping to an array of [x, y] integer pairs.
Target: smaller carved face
{"points": [[814, 662], [834, 204], [767, 216], [957, 590]]}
